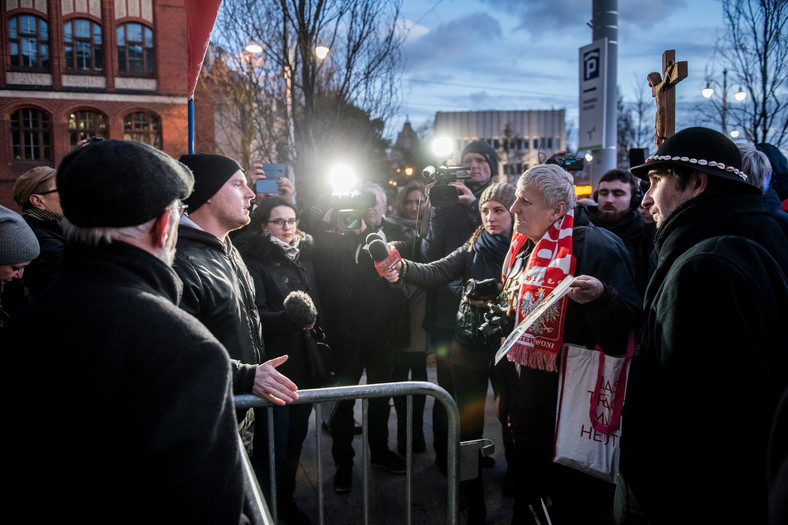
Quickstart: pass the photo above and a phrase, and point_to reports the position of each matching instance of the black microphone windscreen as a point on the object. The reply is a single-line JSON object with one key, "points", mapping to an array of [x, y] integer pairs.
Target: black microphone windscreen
{"points": [[378, 250], [373, 237], [300, 308]]}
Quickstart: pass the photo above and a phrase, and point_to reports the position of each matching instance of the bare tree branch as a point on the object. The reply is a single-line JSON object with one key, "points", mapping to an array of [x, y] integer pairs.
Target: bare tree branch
{"points": [[754, 51], [361, 71]]}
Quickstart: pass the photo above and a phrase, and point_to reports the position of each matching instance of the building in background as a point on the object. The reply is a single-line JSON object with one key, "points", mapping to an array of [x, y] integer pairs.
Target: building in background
{"points": [[73, 69], [521, 138]]}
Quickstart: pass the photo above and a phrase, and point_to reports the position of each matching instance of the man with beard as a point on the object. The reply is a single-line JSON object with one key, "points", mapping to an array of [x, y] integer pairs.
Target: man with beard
{"points": [[619, 197], [135, 393]]}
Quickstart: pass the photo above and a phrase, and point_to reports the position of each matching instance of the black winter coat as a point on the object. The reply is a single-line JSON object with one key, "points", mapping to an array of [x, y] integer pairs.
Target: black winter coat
{"points": [[42, 269], [358, 303], [218, 290], [638, 236], [128, 416], [275, 276], [606, 321], [711, 366]]}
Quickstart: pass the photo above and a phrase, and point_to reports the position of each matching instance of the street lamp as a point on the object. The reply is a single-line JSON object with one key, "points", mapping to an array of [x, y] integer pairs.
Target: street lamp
{"points": [[321, 52], [740, 95], [253, 47]]}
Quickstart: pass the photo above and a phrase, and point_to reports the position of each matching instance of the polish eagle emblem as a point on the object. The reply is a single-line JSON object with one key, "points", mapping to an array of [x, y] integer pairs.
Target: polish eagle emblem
{"points": [[529, 302]]}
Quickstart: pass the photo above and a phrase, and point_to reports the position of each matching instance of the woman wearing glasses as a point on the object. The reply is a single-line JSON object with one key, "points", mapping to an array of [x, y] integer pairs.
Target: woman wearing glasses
{"points": [[280, 260]]}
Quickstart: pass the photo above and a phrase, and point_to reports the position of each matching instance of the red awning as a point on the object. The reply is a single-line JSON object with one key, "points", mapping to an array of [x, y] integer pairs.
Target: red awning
{"points": [[200, 18]]}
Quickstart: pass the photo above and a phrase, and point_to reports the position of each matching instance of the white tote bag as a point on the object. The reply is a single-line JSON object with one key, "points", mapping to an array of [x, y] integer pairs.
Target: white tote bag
{"points": [[588, 415]]}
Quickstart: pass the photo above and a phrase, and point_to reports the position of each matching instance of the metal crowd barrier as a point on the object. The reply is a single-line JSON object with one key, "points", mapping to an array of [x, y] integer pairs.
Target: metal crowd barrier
{"points": [[467, 450]]}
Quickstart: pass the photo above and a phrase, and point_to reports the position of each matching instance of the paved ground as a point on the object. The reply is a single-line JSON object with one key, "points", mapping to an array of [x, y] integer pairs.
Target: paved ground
{"points": [[388, 491]]}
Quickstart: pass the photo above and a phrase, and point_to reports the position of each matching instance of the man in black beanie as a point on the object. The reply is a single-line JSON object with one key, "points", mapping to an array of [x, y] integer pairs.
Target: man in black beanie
{"points": [[218, 289], [142, 391], [449, 227]]}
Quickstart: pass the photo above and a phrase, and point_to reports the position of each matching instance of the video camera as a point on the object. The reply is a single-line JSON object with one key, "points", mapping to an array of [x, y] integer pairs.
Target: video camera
{"points": [[568, 161], [349, 208], [441, 194], [486, 290]]}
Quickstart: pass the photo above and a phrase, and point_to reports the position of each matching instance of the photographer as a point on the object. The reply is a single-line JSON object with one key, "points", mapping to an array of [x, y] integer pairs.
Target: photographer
{"points": [[477, 263], [363, 319], [449, 227]]}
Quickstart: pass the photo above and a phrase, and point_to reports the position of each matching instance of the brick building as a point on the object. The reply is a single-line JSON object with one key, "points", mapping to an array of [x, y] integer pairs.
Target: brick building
{"points": [[115, 69]]}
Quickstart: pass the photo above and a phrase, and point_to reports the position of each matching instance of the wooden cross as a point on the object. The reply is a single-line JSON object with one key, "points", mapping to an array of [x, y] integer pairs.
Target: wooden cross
{"points": [[663, 91]]}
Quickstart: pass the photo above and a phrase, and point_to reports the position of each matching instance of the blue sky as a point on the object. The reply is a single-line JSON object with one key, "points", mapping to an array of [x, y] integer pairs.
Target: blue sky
{"points": [[464, 55]]}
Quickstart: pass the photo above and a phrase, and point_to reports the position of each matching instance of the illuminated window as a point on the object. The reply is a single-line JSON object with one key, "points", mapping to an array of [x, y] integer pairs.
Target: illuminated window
{"points": [[142, 127], [83, 124], [28, 41], [83, 45], [31, 135], [135, 49]]}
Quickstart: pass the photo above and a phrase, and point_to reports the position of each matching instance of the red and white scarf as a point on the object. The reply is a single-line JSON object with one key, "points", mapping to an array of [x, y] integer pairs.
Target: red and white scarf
{"points": [[550, 262]]}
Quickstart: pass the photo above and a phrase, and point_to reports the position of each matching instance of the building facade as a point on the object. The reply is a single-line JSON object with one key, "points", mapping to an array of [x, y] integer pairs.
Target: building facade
{"points": [[521, 138], [73, 69]]}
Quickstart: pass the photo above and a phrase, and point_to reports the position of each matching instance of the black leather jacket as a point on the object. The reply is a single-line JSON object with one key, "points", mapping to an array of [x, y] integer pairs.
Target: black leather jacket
{"points": [[218, 290]]}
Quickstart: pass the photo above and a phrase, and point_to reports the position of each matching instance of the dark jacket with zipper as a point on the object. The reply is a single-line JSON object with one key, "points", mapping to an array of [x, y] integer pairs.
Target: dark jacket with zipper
{"points": [[218, 290]]}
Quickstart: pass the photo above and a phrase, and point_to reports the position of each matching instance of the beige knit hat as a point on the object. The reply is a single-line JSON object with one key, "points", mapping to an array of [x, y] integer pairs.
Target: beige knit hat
{"points": [[499, 192], [27, 183]]}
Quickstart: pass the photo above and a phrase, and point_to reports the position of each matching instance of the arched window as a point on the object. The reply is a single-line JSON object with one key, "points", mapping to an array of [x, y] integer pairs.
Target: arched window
{"points": [[142, 127], [84, 124], [83, 45], [31, 135], [28, 41], [135, 49]]}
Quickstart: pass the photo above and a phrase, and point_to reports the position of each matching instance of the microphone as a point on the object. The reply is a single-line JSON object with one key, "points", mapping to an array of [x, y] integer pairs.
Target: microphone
{"points": [[373, 237], [300, 308], [385, 260]]}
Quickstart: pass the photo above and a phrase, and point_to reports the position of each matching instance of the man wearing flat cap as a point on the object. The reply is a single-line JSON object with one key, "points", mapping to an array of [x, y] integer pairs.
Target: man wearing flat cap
{"points": [[713, 355], [219, 291], [35, 191], [132, 395]]}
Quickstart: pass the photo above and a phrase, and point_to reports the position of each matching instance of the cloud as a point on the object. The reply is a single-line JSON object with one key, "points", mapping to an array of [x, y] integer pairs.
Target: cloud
{"points": [[451, 43], [541, 17]]}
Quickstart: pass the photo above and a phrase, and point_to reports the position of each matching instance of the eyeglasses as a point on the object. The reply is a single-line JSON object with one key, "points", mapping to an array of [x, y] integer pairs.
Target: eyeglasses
{"points": [[280, 223], [46, 192]]}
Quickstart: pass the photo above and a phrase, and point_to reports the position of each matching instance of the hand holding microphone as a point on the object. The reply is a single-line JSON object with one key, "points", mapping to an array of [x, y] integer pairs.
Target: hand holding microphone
{"points": [[387, 263]]}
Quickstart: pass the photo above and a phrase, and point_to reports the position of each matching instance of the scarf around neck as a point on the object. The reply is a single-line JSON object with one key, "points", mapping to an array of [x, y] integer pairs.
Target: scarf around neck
{"points": [[493, 247], [549, 263], [291, 249]]}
